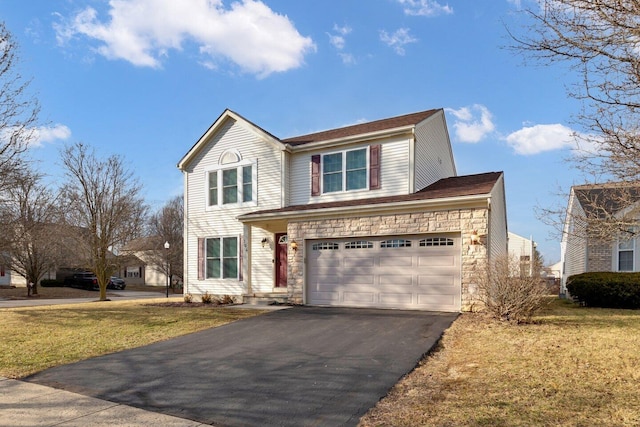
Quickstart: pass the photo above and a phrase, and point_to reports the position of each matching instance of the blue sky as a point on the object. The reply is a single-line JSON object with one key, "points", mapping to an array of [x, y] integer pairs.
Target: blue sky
{"points": [[146, 78]]}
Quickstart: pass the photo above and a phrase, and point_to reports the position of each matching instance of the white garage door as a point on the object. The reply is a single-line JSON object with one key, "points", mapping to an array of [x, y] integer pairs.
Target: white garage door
{"points": [[408, 272]]}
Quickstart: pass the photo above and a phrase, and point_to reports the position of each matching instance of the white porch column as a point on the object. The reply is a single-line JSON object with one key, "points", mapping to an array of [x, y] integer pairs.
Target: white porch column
{"points": [[246, 266]]}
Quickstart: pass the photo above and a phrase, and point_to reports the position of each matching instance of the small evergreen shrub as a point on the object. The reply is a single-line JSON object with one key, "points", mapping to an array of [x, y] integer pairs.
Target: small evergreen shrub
{"points": [[606, 289]]}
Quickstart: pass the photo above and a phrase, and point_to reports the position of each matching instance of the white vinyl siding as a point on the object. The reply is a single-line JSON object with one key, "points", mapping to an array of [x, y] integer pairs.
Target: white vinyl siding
{"points": [[497, 222], [265, 159], [394, 173], [433, 156], [574, 243]]}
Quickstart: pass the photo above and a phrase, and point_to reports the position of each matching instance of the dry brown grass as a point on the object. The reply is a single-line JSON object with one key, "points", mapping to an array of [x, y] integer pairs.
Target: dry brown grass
{"points": [[36, 338], [572, 367]]}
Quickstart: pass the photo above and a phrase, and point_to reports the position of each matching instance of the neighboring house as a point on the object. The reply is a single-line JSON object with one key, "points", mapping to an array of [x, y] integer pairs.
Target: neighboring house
{"points": [[369, 215], [9, 278], [523, 250], [141, 263], [582, 250]]}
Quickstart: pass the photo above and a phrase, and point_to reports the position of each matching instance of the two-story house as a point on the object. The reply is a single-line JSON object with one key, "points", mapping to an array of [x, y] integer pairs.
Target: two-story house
{"points": [[369, 215]]}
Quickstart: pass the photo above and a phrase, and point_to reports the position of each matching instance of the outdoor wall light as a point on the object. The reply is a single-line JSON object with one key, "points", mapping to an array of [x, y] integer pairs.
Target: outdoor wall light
{"points": [[475, 238], [294, 246], [264, 242]]}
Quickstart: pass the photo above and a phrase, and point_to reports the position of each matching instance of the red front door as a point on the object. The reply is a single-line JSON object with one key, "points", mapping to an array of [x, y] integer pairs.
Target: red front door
{"points": [[281, 260]]}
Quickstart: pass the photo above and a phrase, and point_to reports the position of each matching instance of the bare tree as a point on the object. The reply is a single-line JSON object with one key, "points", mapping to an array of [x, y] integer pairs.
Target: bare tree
{"points": [[31, 237], [104, 200], [18, 112], [167, 225], [599, 41]]}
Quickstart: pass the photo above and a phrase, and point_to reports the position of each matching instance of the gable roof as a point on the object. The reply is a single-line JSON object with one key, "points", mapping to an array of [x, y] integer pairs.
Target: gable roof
{"points": [[398, 123], [600, 200], [446, 188], [226, 115], [362, 128]]}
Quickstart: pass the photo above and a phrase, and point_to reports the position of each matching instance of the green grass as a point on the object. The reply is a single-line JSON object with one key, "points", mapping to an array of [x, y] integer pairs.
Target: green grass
{"points": [[36, 338], [572, 366]]}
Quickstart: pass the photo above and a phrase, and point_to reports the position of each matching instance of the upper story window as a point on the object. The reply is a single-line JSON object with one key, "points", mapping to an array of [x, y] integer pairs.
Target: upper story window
{"points": [[348, 170], [231, 184], [344, 171]]}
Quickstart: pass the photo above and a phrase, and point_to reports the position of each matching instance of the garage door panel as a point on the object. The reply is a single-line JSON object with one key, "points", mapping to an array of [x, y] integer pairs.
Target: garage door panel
{"points": [[395, 298], [358, 279], [436, 300], [425, 275], [437, 261], [396, 261], [358, 297], [355, 262], [396, 280], [433, 280], [326, 297]]}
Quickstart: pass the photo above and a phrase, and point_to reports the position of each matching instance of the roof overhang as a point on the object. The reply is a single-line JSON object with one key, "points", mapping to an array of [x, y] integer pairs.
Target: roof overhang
{"points": [[370, 136], [279, 218]]}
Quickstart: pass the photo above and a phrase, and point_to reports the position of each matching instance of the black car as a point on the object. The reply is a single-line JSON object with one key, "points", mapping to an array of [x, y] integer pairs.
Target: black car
{"points": [[116, 283], [84, 280]]}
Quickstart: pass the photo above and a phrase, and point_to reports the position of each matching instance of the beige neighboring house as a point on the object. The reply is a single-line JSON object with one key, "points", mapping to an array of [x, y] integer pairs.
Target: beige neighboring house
{"points": [[141, 266], [369, 215], [580, 251], [523, 249]]}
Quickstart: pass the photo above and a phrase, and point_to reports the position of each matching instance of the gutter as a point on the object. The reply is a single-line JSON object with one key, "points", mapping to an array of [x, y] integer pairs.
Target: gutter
{"points": [[446, 203]]}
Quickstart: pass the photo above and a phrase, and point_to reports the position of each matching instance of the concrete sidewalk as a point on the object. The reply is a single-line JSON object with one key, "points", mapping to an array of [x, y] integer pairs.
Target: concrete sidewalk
{"points": [[28, 404], [112, 295]]}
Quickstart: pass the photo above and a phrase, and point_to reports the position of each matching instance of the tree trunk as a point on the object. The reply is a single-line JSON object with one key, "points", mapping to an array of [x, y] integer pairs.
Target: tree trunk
{"points": [[103, 292]]}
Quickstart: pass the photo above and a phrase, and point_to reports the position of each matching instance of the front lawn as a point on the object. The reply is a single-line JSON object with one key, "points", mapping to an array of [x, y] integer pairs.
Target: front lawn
{"points": [[573, 366], [36, 338]]}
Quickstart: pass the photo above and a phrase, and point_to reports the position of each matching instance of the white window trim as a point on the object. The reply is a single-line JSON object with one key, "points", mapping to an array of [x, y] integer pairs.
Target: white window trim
{"points": [[218, 169], [344, 170], [633, 253], [238, 249]]}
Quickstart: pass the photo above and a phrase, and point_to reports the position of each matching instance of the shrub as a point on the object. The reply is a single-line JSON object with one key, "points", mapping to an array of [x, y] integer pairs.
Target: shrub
{"points": [[188, 298], [51, 283], [226, 299], [508, 295], [606, 289], [207, 298]]}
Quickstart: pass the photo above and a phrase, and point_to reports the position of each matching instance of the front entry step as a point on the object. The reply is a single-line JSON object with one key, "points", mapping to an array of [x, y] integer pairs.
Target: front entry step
{"points": [[265, 298]]}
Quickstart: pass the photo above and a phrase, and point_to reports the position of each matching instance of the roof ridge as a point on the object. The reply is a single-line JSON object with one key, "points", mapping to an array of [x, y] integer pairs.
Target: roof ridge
{"points": [[361, 128]]}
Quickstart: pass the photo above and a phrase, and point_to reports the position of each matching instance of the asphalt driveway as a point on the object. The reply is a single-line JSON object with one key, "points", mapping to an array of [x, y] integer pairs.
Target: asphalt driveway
{"points": [[304, 366]]}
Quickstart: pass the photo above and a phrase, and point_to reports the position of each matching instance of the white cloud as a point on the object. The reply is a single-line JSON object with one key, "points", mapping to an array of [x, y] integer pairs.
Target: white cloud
{"points": [[347, 58], [337, 41], [539, 138], [248, 33], [51, 134], [472, 123], [425, 8], [398, 39]]}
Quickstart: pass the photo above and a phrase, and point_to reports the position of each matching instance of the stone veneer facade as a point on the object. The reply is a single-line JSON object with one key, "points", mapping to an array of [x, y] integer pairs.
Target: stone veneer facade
{"points": [[463, 221]]}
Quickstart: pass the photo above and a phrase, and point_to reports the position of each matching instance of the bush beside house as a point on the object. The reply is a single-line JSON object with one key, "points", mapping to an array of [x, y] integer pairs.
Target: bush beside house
{"points": [[606, 289]]}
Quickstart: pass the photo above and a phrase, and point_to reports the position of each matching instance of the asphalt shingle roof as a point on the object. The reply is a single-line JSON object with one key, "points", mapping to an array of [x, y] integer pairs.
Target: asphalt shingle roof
{"points": [[363, 128]]}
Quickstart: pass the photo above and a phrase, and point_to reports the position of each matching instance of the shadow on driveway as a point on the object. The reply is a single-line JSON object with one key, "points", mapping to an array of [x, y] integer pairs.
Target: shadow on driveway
{"points": [[296, 367]]}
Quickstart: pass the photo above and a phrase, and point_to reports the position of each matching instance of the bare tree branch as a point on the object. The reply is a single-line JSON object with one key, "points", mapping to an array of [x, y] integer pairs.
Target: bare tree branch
{"points": [[104, 200]]}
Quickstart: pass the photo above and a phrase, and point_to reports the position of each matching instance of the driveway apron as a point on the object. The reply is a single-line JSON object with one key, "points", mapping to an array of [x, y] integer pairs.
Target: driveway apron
{"points": [[304, 366]]}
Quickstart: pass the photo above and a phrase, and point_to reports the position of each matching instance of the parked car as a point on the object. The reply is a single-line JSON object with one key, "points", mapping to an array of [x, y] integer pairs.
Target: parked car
{"points": [[116, 283], [84, 280]]}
